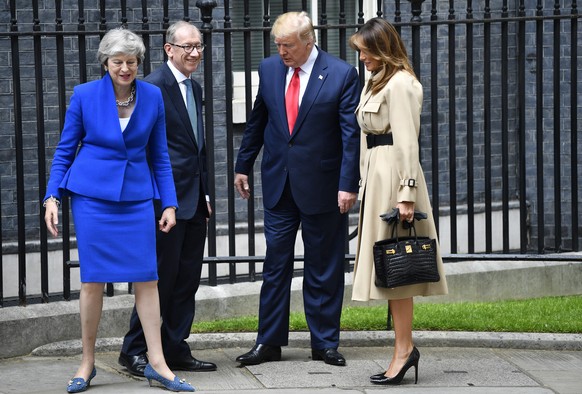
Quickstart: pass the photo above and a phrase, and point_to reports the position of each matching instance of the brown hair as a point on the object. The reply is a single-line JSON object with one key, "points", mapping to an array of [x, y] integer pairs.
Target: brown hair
{"points": [[383, 43]]}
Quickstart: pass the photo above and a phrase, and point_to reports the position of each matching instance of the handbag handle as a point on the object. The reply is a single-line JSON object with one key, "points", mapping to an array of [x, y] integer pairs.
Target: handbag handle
{"points": [[405, 225], [393, 218]]}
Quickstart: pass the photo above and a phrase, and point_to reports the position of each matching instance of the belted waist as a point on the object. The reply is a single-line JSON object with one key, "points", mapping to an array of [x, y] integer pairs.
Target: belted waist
{"points": [[373, 140]]}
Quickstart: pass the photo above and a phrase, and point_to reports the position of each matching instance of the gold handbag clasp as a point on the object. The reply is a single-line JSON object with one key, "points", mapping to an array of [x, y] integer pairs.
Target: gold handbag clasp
{"points": [[408, 248]]}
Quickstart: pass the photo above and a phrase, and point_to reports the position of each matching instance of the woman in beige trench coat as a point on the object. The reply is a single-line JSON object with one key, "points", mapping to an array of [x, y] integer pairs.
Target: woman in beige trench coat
{"points": [[391, 176]]}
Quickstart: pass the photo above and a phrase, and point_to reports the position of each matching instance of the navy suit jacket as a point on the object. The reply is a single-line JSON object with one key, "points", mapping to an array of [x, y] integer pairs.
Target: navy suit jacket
{"points": [[95, 159], [188, 159], [321, 156]]}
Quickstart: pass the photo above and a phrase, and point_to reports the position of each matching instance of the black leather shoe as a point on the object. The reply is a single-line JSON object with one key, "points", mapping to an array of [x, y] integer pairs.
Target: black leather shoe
{"points": [[378, 376], [135, 365], [412, 361], [260, 353], [330, 356], [191, 364]]}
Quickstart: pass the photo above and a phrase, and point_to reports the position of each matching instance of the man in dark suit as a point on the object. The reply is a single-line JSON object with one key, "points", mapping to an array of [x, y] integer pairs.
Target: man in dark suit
{"points": [[303, 118], [179, 252]]}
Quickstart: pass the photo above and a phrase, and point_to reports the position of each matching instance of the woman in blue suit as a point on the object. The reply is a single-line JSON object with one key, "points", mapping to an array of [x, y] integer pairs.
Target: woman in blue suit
{"points": [[112, 160]]}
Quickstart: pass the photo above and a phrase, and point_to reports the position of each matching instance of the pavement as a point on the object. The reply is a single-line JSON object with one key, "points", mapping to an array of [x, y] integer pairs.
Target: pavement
{"points": [[450, 362]]}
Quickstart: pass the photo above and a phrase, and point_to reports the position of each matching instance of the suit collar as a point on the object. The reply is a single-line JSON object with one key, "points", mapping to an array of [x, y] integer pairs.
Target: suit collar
{"points": [[177, 74], [315, 83], [172, 86], [317, 79], [307, 67]]}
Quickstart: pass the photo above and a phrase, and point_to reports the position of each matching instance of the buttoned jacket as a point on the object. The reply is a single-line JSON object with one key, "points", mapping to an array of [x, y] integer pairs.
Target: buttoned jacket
{"points": [[320, 156], [94, 158]]}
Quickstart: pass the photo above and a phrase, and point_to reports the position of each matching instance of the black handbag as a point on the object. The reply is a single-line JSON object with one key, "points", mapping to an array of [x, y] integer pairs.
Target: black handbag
{"points": [[402, 261]]}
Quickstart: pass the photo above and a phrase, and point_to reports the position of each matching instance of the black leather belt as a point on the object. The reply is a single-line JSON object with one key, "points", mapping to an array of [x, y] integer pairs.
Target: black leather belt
{"points": [[378, 139]]}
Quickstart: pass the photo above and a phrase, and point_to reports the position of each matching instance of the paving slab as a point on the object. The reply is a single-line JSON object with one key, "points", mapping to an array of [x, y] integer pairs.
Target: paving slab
{"points": [[442, 370], [560, 370], [27, 375]]}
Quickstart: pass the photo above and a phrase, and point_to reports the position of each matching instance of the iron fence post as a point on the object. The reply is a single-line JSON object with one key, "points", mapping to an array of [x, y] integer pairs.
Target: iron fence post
{"points": [[206, 7]]}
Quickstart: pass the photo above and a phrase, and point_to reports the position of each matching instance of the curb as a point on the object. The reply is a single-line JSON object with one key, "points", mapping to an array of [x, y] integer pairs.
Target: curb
{"points": [[24, 329], [496, 340]]}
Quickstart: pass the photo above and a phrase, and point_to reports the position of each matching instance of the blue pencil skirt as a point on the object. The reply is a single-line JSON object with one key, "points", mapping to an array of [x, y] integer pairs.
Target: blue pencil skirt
{"points": [[116, 240]]}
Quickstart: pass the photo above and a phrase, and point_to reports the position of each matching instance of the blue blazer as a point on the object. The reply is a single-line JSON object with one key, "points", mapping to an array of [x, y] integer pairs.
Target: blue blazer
{"points": [[321, 156], [95, 159]]}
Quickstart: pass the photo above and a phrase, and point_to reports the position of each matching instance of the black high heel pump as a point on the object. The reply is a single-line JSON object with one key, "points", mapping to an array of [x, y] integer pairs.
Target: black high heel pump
{"points": [[412, 361]]}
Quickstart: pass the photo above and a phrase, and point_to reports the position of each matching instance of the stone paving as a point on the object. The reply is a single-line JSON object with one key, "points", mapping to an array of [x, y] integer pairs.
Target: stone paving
{"points": [[532, 367]]}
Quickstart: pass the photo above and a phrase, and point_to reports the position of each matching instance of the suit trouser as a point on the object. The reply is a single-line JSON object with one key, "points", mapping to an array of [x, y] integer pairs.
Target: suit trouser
{"points": [[180, 254], [323, 283]]}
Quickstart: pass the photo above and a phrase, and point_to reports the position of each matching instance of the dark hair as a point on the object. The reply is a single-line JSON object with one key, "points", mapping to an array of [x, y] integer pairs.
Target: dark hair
{"points": [[382, 42]]}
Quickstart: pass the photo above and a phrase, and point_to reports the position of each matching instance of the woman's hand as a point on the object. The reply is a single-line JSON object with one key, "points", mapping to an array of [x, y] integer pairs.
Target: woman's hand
{"points": [[51, 216], [406, 211], [168, 219]]}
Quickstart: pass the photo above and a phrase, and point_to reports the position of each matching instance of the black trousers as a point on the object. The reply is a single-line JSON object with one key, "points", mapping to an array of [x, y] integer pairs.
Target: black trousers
{"points": [[179, 254]]}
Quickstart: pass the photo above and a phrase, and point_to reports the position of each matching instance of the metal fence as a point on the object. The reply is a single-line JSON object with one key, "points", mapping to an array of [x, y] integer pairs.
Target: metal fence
{"points": [[499, 135]]}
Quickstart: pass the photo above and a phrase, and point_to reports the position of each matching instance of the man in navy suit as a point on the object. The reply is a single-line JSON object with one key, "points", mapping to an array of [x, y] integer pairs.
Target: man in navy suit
{"points": [[303, 118], [179, 252]]}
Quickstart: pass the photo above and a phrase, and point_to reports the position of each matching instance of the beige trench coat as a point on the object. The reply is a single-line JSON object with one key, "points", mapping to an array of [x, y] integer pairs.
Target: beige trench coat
{"points": [[385, 171]]}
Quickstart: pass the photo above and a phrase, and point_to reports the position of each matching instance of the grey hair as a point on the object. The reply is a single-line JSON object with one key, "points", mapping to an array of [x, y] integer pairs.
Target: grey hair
{"points": [[294, 23], [120, 41], [174, 27]]}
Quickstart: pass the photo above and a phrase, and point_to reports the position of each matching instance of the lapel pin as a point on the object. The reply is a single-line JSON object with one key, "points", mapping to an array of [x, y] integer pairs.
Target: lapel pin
{"points": [[321, 77]]}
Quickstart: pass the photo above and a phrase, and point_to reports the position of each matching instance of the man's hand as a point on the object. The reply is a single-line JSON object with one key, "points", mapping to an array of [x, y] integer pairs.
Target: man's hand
{"points": [[346, 200], [241, 183]]}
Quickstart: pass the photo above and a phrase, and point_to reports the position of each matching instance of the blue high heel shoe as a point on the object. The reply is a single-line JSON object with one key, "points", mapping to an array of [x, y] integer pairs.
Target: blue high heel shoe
{"points": [[172, 385], [77, 385]]}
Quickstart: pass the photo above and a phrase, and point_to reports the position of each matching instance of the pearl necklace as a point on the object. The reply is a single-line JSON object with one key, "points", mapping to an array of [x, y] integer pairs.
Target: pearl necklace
{"points": [[129, 99]]}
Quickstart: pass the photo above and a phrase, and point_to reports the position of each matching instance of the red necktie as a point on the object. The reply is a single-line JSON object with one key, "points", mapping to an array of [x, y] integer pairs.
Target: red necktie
{"points": [[292, 100]]}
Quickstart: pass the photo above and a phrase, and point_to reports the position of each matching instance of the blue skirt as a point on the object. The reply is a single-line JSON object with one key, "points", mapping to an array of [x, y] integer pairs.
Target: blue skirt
{"points": [[116, 240]]}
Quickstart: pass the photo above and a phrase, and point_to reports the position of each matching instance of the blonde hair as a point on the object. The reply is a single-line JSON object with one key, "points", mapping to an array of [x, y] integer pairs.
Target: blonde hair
{"points": [[382, 42], [292, 23]]}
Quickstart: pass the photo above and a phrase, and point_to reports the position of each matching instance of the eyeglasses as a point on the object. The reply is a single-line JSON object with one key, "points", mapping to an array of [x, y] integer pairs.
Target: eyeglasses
{"points": [[188, 48]]}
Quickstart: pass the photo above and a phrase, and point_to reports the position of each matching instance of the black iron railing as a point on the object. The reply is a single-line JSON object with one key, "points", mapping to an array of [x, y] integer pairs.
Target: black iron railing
{"points": [[499, 137]]}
